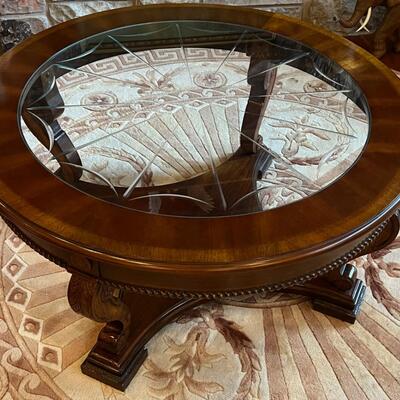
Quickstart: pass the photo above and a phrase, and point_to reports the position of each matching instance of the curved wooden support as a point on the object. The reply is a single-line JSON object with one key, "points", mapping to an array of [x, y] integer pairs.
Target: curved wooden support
{"points": [[40, 113], [132, 319], [101, 303], [261, 86]]}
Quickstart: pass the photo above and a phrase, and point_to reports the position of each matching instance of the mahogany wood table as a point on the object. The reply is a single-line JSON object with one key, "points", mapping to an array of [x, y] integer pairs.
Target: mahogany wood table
{"points": [[170, 155]]}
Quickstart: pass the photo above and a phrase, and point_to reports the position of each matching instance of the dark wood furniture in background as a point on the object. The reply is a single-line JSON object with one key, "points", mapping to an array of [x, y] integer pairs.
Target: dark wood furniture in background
{"points": [[137, 271]]}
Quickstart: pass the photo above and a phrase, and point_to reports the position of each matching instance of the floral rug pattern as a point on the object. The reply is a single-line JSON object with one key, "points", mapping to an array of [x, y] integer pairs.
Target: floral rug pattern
{"points": [[276, 347]]}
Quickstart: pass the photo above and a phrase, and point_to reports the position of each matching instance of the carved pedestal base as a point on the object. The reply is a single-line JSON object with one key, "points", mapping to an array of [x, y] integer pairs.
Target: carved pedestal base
{"points": [[120, 348], [132, 319]]}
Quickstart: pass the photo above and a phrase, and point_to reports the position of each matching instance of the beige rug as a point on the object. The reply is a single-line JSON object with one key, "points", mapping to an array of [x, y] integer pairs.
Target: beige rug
{"points": [[279, 349]]}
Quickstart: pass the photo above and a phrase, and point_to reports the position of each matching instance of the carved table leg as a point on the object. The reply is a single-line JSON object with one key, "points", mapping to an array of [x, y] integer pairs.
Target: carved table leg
{"points": [[339, 293], [131, 320]]}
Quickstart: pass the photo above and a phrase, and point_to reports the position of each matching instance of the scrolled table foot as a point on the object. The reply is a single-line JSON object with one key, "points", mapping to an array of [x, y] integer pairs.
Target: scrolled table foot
{"points": [[131, 320], [339, 293]]}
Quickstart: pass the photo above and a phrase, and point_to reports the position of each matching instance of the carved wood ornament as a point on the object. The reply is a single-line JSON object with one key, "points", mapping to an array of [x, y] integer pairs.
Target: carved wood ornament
{"points": [[388, 33]]}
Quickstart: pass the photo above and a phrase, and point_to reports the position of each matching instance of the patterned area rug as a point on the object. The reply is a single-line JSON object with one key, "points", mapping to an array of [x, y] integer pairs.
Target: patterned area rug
{"points": [[276, 348]]}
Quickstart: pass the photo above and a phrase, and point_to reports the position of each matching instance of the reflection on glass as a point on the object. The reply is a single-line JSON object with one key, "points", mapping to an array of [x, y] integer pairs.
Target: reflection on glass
{"points": [[194, 119]]}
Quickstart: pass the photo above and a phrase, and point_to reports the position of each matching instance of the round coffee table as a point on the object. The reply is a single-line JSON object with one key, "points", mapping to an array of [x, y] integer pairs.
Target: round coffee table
{"points": [[168, 155]]}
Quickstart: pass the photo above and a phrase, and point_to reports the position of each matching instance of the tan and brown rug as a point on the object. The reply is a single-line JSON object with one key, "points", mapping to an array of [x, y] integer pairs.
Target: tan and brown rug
{"points": [[276, 348]]}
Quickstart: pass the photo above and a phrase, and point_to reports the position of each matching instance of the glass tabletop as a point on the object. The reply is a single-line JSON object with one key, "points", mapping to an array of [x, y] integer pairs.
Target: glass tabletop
{"points": [[194, 118]]}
